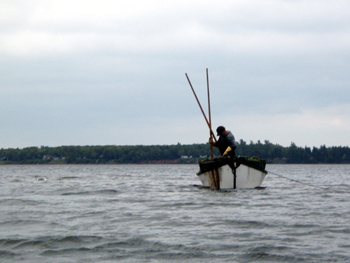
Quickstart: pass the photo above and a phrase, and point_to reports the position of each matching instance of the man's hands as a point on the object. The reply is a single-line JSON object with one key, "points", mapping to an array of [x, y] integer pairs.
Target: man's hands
{"points": [[227, 151], [211, 141]]}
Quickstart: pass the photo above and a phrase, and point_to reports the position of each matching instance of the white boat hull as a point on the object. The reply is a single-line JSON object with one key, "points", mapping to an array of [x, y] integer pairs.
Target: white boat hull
{"points": [[223, 177]]}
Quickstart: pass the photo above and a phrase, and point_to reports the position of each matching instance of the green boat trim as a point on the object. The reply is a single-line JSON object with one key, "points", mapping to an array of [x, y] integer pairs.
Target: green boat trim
{"points": [[211, 164]]}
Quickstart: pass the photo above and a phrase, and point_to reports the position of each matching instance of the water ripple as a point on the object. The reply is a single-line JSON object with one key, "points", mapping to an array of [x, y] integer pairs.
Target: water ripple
{"points": [[157, 213]]}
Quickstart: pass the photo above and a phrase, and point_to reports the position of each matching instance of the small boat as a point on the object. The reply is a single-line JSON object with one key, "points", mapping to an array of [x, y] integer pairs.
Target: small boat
{"points": [[228, 172], [232, 172]]}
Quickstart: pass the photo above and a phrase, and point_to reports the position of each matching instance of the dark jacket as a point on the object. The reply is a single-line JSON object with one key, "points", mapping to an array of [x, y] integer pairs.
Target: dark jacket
{"points": [[225, 141]]}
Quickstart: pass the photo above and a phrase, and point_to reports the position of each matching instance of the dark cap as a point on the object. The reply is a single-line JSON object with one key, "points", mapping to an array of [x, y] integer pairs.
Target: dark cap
{"points": [[219, 130]]}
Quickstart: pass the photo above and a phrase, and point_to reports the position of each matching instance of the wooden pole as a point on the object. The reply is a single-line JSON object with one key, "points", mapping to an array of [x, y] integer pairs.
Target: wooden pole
{"points": [[234, 176], [209, 113], [205, 117]]}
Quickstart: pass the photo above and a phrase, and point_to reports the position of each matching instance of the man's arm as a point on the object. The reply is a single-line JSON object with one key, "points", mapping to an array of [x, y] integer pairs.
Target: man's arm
{"points": [[212, 142]]}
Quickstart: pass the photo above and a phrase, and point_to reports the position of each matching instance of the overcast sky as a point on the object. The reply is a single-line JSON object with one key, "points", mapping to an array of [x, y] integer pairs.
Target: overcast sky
{"points": [[113, 72]]}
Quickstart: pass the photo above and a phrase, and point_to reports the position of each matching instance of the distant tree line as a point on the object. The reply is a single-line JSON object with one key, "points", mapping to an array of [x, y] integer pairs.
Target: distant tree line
{"points": [[272, 153]]}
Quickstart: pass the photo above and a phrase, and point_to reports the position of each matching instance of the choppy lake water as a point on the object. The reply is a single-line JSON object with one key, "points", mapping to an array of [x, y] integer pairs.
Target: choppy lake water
{"points": [[159, 213]]}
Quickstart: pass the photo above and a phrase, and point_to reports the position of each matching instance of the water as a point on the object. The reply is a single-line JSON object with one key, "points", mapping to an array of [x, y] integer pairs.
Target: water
{"points": [[159, 213]]}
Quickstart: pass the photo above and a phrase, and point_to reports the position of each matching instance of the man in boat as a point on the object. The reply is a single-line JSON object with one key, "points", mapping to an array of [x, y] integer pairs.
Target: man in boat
{"points": [[226, 142]]}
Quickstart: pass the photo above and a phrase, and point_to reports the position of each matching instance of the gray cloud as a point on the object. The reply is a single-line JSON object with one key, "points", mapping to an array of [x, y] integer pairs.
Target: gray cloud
{"points": [[88, 72]]}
